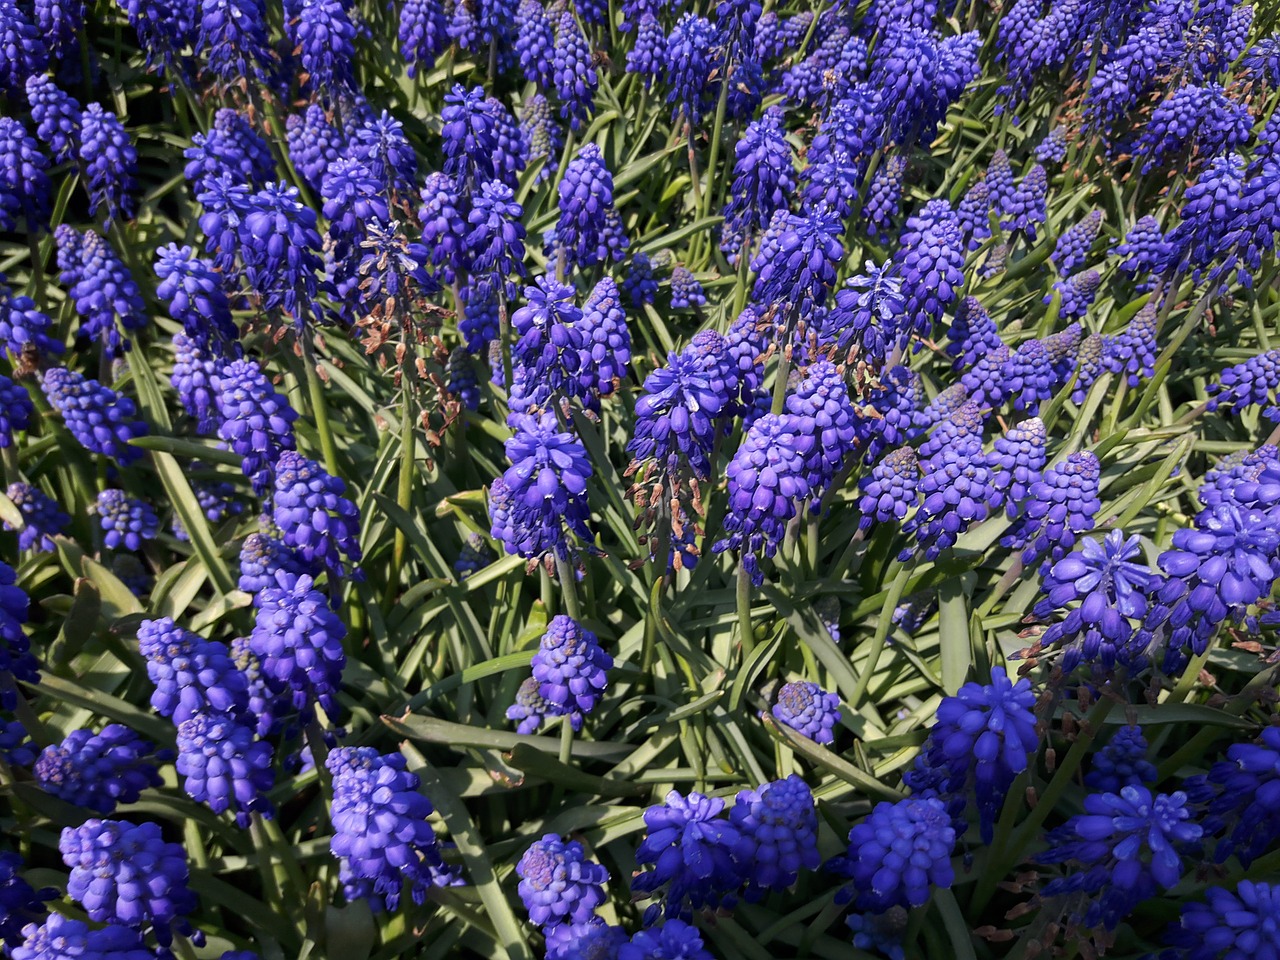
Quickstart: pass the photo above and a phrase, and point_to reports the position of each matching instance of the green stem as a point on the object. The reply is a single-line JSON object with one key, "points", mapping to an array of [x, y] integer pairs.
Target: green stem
{"points": [[713, 156], [320, 411], [37, 270], [566, 740], [780, 384], [504, 334], [878, 639], [568, 589], [746, 633], [404, 497]]}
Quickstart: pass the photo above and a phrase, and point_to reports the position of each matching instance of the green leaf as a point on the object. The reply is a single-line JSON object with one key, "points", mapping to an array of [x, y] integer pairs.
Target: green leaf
{"points": [[953, 634]]}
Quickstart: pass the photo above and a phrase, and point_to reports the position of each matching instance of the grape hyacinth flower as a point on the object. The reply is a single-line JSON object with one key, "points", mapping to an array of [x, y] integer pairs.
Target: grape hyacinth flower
{"points": [[1251, 383], [974, 214], [572, 71], [261, 555], [531, 708], [1132, 352], [1234, 926], [380, 831], [192, 287], [545, 489], [256, 422], [324, 36], [423, 33], [940, 409], [763, 175], [1072, 249], [110, 163], [884, 199], [768, 479], [97, 771], [692, 60], [1026, 211], [673, 938], [1145, 249], [128, 874], [866, 313], [981, 739], [898, 855], [798, 268], [98, 417], [16, 410], [58, 937], [224, 765], [380, 144], [231, 147], [20, 905], [496, 239], [1130, 845], [588, 230], [125, 521], [889, 491], [1090, 365], [191, 674], [1018, 458], [958, 491], [1237, 795], [234, 35], [24, 330], [930, 261], [558, 884], [690, 845], [606, 348], [1053, 148], [972, 334], [316, 520], [25, 190], [1061, 507], [821, 402], [313, 142], [56, 115], [1029, 376], [16, 661], [639, 284], [570, 666], [686, 291], [1077, 292], [298, 639], [280, 246], [777, 828], [102, 288], [808, 709], [1121, 763], [42, 518]]}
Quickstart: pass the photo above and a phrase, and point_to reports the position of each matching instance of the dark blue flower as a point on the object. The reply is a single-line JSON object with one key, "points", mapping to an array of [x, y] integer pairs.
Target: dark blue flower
{"points": [[1073, 246], [883, 201], [588, 230], [1090, 364], [1029, 376], [1131, 845], [672, 940], [98, 770], [309, 508], [1062, 505], [191, 674], [496, 240], [195, 371], [981, 739], [423, 33], [42, 518], [280, 246], [128, 874], [808, 709], [234, 35], [110, 163], [690, 845], [25, 191], [25, 50], [102, 288], [958, 491], [974, 214], [324, 36], [98, 417], [558, 884], [930, 261], [233, 148], [256, 422], [1121, 763], [1229, 926], [763, 174], [768, 479], [866, 313], [531, 707], [16, 410], [606, 341], [380, 144], [380, 829], [224, 765], [972, 334], [126, 521], [820, 401], [570, 666], [798, 269], [572, 71], [777, 834], [686, 291], [648, 51], [20, 905], [298, 640], [1025, 211], [898, 855], [58, 938], [313, 142], [692, 58], [546, 485], [889, 491]]}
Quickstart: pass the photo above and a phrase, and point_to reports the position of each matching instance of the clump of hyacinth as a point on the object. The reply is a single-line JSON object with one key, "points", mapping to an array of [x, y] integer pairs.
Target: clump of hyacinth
{"points": [[898, 855], [298, 640], [1216, 570], [101, 286], [314, 142], [25, 191], [1237, 925], [930, 261], [24, 329], [110, 163], [1025, 212], [1029, 376], [1132, 352], [1237, 798], [957, 491], [896, 400], [530, 708], [223, 764], [231, 147], [972, 334], [606, 340], [672, 938], [683, 405], [42, 518], [1251, 383], [128, 874], [768, 479], [763, 175], [588, 229], [125, 521], [808, 709], [548, 352], [797, 263], [1110, 588], [97, 771], [889, 490], [101, 420], [1018, 458], [16, 410], [639, 284], [558, 884], [686, 291], [261, 555], [1076, 293], [570, 666], [1121, 763], [20, 905], [381, 834], [316, 520], [960, 430], [1073, 246], [1129, 847], [544, 489], [981, 739], [821, 403], [974, 214], [1062, 505], [692, 59], [777, 828], [192, 288], [690, 845], [866, 314], [573, 74], [255, 422], [56, 115], [883, 201], [59, 937], [16, 662], [190, 674], [324, 35]]}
